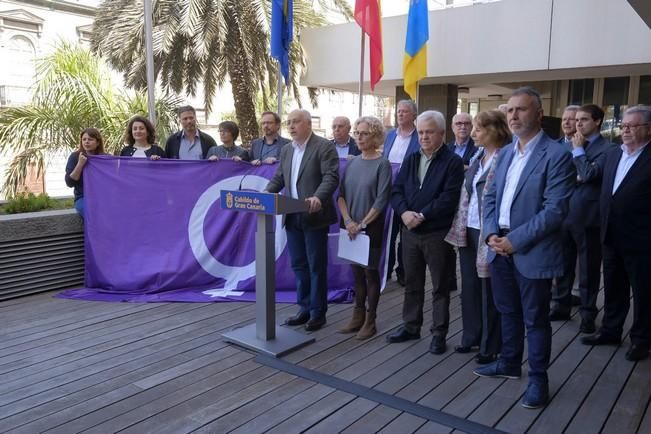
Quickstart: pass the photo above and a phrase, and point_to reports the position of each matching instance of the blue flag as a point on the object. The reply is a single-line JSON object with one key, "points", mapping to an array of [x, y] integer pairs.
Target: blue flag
{"points": [[281, 33]]}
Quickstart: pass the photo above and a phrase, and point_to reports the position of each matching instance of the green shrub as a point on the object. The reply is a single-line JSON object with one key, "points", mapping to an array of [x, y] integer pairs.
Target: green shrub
{"points": [[28, 202]]}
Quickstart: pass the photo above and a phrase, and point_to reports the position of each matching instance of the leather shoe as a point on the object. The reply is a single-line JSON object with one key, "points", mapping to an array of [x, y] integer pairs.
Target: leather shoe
{"points": [[462, 349], [587, 326], [298, 319], [315, 324], [438, 346], [637, 352], [485, 359], [497, 369], [600, 339], [556, 315], [401, 335], [536, 396]]}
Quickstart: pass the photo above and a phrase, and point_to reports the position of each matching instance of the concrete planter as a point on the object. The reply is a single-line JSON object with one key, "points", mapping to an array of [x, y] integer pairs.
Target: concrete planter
{"points": [[40, 251]]}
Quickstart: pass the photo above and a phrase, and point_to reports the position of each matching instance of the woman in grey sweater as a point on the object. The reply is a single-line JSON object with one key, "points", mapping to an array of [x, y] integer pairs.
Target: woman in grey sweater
{"points": [[363, 198]]}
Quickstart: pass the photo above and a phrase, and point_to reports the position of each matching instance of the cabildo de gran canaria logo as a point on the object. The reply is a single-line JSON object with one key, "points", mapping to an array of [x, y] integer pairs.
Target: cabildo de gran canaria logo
{"points": [[229, 200]]}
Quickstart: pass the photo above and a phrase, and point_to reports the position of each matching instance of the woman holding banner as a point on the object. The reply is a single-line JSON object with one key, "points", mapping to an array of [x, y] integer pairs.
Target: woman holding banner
{"points": [[90, 143], [141, 135], [363, 198]]}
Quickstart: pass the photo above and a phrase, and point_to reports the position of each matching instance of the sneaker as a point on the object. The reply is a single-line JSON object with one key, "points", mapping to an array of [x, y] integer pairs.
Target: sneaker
{"points": [[498, 369]]}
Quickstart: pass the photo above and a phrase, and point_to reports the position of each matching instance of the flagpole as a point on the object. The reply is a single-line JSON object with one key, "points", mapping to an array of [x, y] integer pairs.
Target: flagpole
{"points": [[279, 96], [361, 74], [149, 62]]}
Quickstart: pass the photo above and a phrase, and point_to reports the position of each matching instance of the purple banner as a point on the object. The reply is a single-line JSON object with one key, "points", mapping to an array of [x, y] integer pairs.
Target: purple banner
{"points": [[154, 231]]}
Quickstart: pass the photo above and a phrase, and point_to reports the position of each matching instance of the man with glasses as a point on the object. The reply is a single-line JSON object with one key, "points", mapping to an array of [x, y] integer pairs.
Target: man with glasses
{"points": [[581, 227], [568, 125], [625, 206], [462, 145], [266, 149]]}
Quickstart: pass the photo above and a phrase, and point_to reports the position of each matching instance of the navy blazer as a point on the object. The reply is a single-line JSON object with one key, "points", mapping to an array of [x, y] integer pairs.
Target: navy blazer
{"points": [[584, 203], [173, 144], [437, 199], [352, 146], [626, 215], [540, 205], [471, 149], [414, 146]]}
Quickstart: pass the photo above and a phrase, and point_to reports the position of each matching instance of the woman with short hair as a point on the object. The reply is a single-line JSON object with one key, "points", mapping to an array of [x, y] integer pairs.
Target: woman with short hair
{"points": [[363, 198], [481, 321], [141, 136], [228, 132]]}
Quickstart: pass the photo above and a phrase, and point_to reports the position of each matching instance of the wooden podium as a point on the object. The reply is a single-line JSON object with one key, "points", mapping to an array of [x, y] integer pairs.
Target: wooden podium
{"points": [[264, 336]]}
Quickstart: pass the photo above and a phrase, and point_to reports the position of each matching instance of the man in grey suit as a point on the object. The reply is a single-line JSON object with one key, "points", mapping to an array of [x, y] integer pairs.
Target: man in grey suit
{"points": [[309, 171], [524, 210]]}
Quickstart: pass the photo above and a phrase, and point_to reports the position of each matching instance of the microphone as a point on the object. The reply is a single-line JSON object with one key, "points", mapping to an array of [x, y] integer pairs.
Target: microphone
{"points": [[239, 188]]}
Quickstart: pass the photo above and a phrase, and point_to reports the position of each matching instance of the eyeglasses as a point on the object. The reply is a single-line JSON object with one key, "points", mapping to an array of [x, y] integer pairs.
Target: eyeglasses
{"points": [[462, 124], [632, 126], [361, 133]]}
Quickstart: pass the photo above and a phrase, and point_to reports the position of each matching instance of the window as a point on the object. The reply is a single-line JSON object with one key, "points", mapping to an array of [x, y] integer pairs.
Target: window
{"points": [[614, 105], [644, 97], [581, 91]]}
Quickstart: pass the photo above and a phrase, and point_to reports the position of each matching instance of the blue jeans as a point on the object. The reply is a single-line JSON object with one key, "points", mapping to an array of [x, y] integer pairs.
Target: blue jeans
{"points": [[308, 251], [523, 303], [79, 206]]}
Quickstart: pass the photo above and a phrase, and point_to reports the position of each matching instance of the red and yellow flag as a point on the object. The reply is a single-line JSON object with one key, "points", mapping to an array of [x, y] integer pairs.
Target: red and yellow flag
{"points": [[368, 15]]}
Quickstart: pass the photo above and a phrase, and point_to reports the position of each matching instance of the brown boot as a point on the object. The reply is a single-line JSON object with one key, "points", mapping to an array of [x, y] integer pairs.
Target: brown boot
{"points": [[368, 329], [356, 322]]}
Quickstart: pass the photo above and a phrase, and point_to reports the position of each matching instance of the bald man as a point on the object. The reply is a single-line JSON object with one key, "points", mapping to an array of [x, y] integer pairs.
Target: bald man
{"points": [[344, 144]]}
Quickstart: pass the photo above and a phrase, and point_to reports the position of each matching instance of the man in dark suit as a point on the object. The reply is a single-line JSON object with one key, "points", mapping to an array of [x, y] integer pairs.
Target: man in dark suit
{"points": [[343, 143], [266, 149], [399, 143], [462, 145], [189, 143], [524, 209], [309, 171], [568, 125], [625, 206], [581, 228], [425, 196]]}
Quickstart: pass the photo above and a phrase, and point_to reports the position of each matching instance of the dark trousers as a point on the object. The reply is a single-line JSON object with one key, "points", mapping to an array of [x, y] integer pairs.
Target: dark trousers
{"points": [[584, 244], [481, 321], [621, 272], [396, 225], [308, 251], [419, 252], [522, 303]]}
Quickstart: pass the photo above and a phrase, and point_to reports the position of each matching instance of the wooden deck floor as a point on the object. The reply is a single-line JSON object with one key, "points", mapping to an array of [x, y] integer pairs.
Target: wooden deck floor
{"points": [[71, 366]]}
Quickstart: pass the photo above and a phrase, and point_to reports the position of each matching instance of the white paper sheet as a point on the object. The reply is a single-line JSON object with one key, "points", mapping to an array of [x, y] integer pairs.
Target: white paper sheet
{"points": [[356, 250]]}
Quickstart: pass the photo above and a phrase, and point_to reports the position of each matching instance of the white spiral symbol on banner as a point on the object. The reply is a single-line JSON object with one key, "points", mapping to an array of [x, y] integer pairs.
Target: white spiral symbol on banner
{"points": [[233, 275]]}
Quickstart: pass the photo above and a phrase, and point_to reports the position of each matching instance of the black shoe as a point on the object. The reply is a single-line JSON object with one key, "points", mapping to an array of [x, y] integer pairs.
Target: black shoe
{"points": [[401, 335], [600, 339], [485, 359], [400, 277], [438, 346], [315, 324], [298, 319], [576, 300], [556, 315], [462, 349], [637, 352], [587, 326]]}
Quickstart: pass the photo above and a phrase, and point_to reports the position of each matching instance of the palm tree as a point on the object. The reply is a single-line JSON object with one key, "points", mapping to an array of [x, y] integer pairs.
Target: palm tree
{"points": [[72, 92], [207, 41]]}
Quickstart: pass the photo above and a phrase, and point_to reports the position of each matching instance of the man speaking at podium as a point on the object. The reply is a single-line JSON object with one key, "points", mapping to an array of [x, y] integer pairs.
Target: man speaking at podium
{"points": [[309, 171]]}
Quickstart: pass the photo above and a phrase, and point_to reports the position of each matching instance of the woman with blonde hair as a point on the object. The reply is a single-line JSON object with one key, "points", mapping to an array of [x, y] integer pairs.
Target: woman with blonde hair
{"points": [[481, 321], [363, 198]]}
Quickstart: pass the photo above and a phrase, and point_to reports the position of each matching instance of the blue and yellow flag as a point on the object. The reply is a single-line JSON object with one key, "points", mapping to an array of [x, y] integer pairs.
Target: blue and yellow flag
{"points": [[281, 33], [414, 65]]}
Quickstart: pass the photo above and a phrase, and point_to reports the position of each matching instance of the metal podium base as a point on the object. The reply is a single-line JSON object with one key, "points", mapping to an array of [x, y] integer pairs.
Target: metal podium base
{"points": [[287, 340]]}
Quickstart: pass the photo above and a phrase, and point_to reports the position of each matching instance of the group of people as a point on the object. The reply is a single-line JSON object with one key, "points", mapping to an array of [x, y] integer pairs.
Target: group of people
{"points": [[519, 207]]}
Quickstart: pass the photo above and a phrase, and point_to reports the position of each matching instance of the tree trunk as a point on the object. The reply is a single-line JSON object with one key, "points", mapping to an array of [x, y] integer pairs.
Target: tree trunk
{"points": [[243, 92]]}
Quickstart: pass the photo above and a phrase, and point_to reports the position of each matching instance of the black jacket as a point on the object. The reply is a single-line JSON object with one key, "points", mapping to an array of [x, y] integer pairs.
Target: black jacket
{"points": [[438, 197], [128, 151], [470, 150], [173, 144]]}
